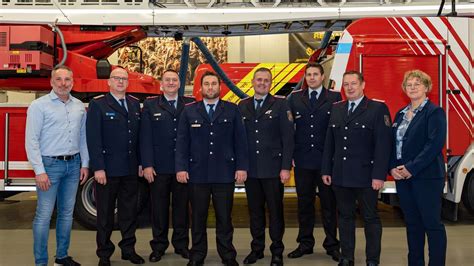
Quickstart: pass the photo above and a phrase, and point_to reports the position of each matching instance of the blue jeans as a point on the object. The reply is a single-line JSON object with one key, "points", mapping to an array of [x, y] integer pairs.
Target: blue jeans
{"points": [[64, 178]]}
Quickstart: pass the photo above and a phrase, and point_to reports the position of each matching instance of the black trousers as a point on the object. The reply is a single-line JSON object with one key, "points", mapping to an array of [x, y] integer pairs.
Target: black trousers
{"points": [[346, 207], [122, 189], [269, 191], [222, 199], [163, 191], [307, 180]]}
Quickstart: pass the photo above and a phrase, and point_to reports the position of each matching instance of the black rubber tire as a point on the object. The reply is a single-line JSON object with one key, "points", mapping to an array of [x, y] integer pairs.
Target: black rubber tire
{"points": [[85, 212], [468, 193]]}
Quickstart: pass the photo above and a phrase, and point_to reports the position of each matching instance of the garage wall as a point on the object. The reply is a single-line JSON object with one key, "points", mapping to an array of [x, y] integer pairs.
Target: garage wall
{"points": [[259, 49]]}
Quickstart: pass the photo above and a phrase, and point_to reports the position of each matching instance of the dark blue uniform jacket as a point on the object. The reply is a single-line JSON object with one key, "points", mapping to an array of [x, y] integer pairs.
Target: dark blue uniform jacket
{"points": [[112, 135], [211, 150], [358, 146], [311, 125], [270, 136], [158, 132]]}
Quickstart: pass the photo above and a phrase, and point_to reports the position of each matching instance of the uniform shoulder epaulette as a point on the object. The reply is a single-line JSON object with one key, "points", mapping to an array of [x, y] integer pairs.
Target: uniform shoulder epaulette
{"points": [[189, 96], [279, 96], [295, 91], [246, 98], [342, 101], [99, 96], [152, 97], [378, 100], [133, 97], [190, 103]]}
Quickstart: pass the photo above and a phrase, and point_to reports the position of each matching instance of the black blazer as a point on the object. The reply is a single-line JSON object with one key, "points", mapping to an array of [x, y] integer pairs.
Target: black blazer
{"points": [[422, 143]]}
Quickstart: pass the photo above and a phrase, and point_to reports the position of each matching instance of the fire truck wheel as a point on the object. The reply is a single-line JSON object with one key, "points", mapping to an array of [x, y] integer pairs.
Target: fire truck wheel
{"points": [[468, 192], [85, 211]]}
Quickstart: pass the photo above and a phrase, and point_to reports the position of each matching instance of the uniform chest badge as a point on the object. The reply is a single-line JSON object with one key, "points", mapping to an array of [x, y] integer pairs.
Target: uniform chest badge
{"points": [[290, 116], [157, 114], [195, 125], [268, 112]]}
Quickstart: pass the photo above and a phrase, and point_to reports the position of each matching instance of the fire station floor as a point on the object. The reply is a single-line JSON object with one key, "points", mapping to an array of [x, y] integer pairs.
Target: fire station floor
{"points": [[17, 212]]}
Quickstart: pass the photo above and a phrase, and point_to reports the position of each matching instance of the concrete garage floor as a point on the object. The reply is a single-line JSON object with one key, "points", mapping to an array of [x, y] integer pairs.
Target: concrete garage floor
{"points": [[17, 213]]}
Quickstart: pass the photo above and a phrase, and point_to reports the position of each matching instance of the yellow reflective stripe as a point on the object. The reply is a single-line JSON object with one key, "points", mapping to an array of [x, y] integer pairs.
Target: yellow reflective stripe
{"points": [[296, 68], [281, 73]]}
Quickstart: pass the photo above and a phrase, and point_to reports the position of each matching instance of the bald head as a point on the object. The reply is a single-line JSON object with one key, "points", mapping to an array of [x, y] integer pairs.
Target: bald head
{"points": [[118, 82]]}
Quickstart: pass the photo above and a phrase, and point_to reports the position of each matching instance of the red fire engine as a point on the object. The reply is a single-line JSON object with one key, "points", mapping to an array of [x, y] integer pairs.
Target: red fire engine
{"points": [[382, 48]]}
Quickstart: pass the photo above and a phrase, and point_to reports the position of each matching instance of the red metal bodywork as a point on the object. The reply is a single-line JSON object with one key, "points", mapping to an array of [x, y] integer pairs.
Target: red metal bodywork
{"points": [[84, 48]]}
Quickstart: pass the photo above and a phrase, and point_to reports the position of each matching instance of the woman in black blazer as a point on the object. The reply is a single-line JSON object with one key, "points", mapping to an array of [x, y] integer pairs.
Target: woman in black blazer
{"points": [[417, 165]]}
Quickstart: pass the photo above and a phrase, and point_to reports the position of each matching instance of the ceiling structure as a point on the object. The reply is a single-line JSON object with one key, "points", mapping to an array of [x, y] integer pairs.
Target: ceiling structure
{"points": [[190, 18]]}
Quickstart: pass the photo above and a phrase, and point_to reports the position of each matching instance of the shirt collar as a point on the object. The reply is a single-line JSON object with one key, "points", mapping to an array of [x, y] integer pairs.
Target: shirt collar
{"points": [[263, 98], [419, 108], [55, 97], [318, 90], [206, 102], [117, 99], [356, 101], [169, 99]]}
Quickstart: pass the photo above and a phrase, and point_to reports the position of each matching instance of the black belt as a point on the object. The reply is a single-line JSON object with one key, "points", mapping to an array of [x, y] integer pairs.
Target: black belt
{"points": [[64, 157]]}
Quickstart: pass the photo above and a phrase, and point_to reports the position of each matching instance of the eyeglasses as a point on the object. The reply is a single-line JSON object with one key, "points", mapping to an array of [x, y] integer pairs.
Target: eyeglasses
{"points": [[122, 79], [413, 86]]}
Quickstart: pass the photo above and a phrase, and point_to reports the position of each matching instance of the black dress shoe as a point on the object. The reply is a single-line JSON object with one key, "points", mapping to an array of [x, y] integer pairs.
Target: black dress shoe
{"points": [[335, 254], [195, 263], [253, 257], [134, 258], [184, 252], [344, 262], [277, 260], [231, 262], [67, 261], [155, 256], [104, 262], [299, 252]]}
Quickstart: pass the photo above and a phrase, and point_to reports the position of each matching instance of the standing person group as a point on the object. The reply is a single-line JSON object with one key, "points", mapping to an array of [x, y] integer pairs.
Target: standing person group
{"points": [[191, 152]]}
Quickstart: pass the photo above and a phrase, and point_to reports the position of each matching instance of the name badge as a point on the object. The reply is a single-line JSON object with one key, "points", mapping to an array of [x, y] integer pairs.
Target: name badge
{"points": [[195, 125], [110, 114], [157, 114], [268, 112], [298, 116]]}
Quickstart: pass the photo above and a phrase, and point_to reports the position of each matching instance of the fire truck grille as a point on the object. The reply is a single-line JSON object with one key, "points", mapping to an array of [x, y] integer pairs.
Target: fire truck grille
{"points": [[28, 58], [14, 58], [3, 39]]}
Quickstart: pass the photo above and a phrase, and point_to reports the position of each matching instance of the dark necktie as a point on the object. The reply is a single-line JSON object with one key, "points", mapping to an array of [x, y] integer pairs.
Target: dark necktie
{"points": [[313, 98], [171, 102], [351, 110], [122, 104], [259, 105], [211, 110]]}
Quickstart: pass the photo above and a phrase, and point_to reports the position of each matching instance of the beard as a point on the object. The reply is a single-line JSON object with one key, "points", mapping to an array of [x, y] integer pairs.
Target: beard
{"points": [[211, 95]]}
